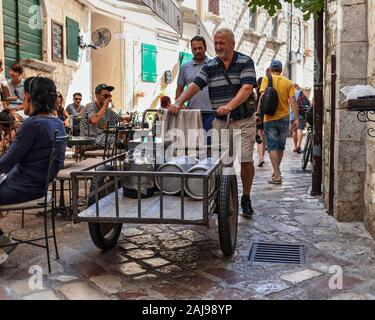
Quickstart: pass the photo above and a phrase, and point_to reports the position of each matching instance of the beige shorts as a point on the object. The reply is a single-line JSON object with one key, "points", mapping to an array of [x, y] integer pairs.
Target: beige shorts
{"points": [[242, 137]]}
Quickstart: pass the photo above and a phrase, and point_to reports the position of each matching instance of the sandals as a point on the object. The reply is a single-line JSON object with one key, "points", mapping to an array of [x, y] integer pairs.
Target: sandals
{"points": [[274, 181], [261, 163]]}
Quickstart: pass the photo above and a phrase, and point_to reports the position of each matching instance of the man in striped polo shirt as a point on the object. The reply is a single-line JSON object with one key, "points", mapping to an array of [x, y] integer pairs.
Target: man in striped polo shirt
{"points": [[228, 97]]}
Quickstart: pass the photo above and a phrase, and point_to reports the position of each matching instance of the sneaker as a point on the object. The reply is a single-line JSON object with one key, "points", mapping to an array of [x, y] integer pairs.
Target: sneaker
{"points": [[6, 251], [247, 210]]}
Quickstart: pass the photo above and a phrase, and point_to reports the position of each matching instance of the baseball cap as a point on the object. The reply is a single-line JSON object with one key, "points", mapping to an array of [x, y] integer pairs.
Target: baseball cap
{"points": [[103, 86], [276, 64]]}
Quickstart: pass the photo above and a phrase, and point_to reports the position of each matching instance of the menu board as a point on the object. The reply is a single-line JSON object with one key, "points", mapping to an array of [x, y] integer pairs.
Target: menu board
{"points": [[57, 41]]}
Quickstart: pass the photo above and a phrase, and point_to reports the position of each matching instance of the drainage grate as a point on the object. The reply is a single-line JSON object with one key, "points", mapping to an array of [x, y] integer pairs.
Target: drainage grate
{"points": [[299, 171], [277, 253]]}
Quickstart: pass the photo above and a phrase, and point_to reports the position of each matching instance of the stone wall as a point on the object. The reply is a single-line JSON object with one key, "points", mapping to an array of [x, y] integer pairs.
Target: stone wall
{"points": [[351, 51], [258, 43], [369, 191]]}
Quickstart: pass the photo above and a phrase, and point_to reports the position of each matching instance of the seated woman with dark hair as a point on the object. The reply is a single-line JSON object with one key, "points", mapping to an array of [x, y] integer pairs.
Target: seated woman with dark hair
{"points": [[26, 161], [60, 111]]}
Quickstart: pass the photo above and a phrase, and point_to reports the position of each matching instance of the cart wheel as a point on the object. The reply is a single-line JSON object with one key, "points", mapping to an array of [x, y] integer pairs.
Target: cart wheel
{"points": [[228, 211], [104, 235]]}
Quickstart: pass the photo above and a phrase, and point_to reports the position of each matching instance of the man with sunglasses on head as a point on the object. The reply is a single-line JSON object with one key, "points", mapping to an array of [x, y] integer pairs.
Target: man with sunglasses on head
{"points": [[75, 108], [99, 113]]}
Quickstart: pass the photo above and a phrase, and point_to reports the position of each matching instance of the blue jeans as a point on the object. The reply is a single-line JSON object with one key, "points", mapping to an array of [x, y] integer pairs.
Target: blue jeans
{"points": [[207, 119], [276, 132], [8, 195]]}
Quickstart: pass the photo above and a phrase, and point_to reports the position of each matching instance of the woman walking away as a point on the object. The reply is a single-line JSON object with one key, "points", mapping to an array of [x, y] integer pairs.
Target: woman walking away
{"points": [[260, 139], [25, 164]]}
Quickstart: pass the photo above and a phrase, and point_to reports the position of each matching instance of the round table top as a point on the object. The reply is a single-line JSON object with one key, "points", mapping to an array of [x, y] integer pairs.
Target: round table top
{"points": [[80, 141]]}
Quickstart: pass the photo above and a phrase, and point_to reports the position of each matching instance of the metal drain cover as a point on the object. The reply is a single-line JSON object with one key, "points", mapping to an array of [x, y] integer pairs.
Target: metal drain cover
{"points": [[277, 253]]}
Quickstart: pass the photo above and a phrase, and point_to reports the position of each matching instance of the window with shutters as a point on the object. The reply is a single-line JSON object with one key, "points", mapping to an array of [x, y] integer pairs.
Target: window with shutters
{"points": [[185, 57], [149, 63], [22, 24], [214, 7], [72, 39], [274, 27], [252, 20]]}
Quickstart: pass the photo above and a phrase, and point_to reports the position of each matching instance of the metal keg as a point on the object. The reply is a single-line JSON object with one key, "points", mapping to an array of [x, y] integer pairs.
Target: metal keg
{"points": [[137, 161], [194, 186], [172, 185]]}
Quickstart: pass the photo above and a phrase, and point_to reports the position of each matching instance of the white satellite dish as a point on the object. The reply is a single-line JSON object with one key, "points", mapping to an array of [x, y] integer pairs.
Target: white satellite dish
{"points": [[101, 37]]}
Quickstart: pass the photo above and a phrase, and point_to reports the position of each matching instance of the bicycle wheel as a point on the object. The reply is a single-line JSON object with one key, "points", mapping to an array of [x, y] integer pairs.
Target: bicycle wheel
{"points": [[307, 151]]}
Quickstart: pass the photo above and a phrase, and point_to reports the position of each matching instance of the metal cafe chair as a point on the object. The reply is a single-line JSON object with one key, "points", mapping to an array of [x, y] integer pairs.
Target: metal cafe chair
{"points": [[6, 129], [48, 200]]}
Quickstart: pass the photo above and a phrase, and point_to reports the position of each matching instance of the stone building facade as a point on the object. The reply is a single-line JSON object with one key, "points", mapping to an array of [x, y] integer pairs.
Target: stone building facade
{"points": [[133, 26], [265, 38], [69, 75], [350, 37]]}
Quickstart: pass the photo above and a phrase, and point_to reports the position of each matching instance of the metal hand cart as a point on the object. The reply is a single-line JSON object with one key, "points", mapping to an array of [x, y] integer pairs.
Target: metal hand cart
{"points": [[106, 209]]}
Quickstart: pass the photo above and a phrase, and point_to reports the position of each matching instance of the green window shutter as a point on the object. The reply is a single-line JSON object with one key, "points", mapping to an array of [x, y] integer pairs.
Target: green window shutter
{"points": [[149, 66], [30, 29], [72, 39], [10, 33], [22, 22], [185, 57]]}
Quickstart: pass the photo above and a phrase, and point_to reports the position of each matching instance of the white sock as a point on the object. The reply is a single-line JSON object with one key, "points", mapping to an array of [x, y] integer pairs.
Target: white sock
{"points": [[3, 256]]}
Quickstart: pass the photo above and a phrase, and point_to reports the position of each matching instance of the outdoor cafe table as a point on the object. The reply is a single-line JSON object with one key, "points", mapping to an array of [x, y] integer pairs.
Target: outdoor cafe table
{"points": [[79, 141], [72, 142]]}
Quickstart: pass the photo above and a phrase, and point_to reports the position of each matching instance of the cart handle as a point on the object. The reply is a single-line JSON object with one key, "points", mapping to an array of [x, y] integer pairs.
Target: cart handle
{"points": [[202, 112]]}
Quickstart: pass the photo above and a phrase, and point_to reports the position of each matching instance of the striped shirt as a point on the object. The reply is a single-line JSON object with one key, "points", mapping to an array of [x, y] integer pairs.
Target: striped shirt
{"points": [[241, 71], [97, 131]]}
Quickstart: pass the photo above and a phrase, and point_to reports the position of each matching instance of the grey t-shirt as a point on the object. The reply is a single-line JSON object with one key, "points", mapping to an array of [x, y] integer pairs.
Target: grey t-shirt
{"points": [[73, 111], [187, 74], [18, 91]]}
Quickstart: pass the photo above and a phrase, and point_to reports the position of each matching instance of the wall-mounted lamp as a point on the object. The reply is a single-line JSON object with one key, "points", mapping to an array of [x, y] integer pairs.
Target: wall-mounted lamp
{"points": [[299, 55]]}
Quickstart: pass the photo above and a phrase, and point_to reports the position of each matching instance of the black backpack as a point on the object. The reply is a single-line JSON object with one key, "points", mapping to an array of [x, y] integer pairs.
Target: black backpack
{"points": [[270, 99]]}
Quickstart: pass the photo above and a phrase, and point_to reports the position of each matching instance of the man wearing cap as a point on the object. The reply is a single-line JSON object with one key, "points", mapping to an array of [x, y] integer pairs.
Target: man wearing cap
{"points": [[99, 113], [276, 127]]}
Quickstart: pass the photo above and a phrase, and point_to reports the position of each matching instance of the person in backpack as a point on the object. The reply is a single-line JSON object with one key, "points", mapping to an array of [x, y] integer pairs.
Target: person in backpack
{"points": [[274, 106], [303, 103]]}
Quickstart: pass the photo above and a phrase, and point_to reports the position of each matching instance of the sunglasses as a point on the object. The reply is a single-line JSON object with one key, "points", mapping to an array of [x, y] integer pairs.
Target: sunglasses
{"points": [[78, 99], [106, 95]]}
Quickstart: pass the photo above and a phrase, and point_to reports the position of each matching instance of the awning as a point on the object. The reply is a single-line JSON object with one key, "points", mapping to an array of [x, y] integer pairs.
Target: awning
{"points": [[168, 11]]}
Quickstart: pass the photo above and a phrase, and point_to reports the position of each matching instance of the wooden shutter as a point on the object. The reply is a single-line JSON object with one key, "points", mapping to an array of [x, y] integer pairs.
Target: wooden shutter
{"points": [[10, 33], [22, 39], [149, 63], [30, 29], [185, 57], [214, 6], [72, 39]]}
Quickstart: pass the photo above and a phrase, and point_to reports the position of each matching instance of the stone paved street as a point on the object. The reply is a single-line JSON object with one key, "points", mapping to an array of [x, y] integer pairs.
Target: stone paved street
{"points": [[183, 262]]}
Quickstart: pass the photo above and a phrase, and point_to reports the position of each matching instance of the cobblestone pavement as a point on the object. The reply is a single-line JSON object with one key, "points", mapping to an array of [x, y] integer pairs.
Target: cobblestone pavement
{"points": [[183, 262]]}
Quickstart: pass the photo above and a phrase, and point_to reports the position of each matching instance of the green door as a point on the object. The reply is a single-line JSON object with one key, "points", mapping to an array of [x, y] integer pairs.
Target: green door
{"points": [[22, 31]]}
